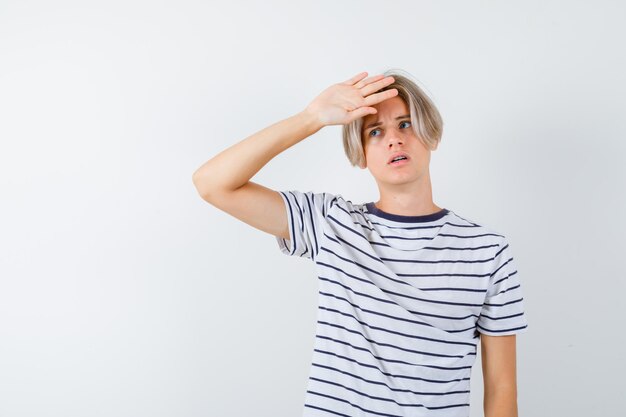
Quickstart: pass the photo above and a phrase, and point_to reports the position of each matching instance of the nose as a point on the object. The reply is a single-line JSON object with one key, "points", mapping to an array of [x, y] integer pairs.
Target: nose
{"points": [[394, 138]]}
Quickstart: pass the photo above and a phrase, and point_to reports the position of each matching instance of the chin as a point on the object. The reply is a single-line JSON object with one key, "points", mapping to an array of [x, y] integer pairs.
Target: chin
{"points": [[405, 177]]}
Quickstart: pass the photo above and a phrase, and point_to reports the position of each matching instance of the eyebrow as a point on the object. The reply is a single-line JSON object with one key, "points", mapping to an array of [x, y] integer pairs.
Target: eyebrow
{"points": [[405, 116]]}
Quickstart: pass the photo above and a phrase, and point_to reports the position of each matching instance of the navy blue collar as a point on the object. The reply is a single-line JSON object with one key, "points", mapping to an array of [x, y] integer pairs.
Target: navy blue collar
{"points": [[409, 219]]}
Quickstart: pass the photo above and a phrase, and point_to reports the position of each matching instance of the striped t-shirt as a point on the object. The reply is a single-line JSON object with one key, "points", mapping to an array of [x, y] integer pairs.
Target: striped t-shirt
{"points": [[402, 300]]}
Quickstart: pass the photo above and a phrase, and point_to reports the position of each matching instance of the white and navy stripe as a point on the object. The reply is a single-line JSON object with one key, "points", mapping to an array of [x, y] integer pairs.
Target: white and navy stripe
{"points": [[402, 302]]}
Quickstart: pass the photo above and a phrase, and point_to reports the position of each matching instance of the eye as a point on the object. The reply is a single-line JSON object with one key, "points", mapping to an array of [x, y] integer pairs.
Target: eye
{"points": [[401, 123]]}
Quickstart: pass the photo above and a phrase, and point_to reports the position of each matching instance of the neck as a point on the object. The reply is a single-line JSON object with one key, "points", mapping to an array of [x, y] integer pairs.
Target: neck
{"points": [[415, 199]]}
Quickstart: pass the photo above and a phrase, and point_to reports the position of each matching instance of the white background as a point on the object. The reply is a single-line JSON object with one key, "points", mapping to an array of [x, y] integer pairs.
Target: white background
{"points": [[123, 293]]}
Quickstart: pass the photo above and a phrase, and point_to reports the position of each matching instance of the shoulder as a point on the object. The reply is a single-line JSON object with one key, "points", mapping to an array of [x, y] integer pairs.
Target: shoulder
{"points": [[472, 228], [325, 203], [319, 203]]}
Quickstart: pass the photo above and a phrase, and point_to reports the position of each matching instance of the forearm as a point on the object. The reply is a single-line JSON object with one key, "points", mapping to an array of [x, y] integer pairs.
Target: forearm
{"points": [[236, 165], [500, 403]]}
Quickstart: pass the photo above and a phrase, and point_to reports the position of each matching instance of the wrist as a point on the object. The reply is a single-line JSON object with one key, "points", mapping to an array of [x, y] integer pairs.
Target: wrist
{"points": [[311, 119]]}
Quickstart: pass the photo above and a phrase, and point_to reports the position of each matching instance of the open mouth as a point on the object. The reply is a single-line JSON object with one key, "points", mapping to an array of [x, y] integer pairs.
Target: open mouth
{"points": [[399, 159]]}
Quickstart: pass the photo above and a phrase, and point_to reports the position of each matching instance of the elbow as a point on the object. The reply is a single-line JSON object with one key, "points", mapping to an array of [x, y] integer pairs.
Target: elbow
{"points": [[195, 178], [209, 185], [200, 185]]}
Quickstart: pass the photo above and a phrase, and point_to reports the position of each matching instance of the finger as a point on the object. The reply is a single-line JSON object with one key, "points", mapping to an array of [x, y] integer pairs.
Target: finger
{"points": [[368, 80], [356, 78], [361, 112], [382, 96], [369, 89]]}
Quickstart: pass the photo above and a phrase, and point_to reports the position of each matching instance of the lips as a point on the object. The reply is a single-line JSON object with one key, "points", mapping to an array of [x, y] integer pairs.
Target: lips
{"points": [[397, 154]]}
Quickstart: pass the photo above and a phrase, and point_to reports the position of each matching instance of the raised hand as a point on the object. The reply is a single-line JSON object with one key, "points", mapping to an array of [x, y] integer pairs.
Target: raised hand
{"points": [[349, 100]]}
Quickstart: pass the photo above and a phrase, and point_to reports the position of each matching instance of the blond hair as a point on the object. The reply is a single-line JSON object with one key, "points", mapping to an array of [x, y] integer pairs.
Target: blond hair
{"points": [[425, 118]]}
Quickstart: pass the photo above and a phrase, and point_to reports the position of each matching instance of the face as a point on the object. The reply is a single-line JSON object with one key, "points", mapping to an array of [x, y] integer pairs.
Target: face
{"points": [[387, 132]]}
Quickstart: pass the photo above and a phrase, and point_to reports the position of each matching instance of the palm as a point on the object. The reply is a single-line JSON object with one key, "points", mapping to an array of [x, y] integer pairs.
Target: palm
{"points": [[352, 99]]}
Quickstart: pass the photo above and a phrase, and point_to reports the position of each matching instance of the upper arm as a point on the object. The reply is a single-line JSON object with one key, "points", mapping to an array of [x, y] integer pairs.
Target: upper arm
{"points": [[498, 356], [256, 205], [503, 311]]}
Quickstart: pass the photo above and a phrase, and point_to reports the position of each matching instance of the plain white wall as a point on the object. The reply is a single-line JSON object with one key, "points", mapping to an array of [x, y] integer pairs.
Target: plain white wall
{"points": [[122, 293]]}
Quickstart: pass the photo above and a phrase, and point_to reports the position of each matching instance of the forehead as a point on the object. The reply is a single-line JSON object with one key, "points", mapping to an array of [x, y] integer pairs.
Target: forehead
{"points": [[388, 109]]}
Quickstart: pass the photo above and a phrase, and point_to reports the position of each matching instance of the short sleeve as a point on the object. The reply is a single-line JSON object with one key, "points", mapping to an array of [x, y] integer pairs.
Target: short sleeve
{"points": [[306, 215], [503, 310]]}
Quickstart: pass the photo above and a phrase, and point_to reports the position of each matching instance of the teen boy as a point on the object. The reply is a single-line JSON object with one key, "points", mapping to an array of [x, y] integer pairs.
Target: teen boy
{"points": [[407, 288]]}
